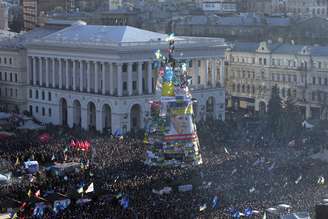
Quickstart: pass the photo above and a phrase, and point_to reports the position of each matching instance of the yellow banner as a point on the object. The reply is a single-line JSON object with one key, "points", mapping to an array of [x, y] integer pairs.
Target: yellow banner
{"points": [[168, 89]]}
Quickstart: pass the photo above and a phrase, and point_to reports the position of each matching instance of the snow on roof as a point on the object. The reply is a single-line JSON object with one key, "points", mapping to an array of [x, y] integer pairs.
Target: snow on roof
{"points": [[103, 34], [19, 41]]}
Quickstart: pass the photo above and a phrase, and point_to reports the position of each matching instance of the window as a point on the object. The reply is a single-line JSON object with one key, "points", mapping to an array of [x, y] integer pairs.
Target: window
{"points": [[289, 78], [5, 76], [0, 92], [124, 67], [5, 61], [264, 61], [326, 81], [199, 79], [6, 91], [260, 61], [125, 85], [16, 92], [43, 96], [43, 111], [190, 64], [313, 95], [295, 78], [273, 61], [200, 63], [134, 85], [233, 87], [319, 81], [253, 60], [134, 67], [0, 75], [31, 110], [16, 78], [319, 65], [49, 111], [11, 92], [313, 80], [49, 96], [30, 91], [10, 61], [36, 94], [11, 77]]}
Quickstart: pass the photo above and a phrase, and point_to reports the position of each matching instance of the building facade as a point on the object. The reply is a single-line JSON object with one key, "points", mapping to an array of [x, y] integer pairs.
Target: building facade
{"points": [[99, 77], [299, 71], [32, 9], [309, 8]]}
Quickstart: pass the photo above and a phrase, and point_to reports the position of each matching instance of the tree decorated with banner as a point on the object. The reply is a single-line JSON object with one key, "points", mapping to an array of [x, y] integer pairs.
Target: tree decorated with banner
{"points": [[172, 135]]}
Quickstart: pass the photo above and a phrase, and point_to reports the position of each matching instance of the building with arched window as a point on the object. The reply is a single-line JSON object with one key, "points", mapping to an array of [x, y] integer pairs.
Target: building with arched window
{"points": [[103, 77]]}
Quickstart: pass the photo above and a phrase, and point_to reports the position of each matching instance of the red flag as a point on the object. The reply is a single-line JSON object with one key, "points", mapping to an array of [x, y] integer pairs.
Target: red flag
{"points": [[23, 206], [72, 144], [44, 138], [37, 194], [86, 145]]}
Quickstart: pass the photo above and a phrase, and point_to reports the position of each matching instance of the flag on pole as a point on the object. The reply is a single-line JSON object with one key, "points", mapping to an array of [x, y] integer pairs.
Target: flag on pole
{"points": [[264, 216], [72, 144], [125, 202], [226, 151], [90, 188], [80, 190], [248, 212], [17, 163], [29, 193], [38, 193], [215, 202], [53, 157]]}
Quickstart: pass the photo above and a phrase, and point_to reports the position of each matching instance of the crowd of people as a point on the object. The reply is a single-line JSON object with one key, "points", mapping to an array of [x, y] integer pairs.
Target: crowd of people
{"points": [[242, 169]]}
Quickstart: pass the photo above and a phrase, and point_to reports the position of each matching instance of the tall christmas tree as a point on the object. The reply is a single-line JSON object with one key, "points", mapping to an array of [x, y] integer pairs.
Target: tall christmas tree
{"points": [[172, 136]]}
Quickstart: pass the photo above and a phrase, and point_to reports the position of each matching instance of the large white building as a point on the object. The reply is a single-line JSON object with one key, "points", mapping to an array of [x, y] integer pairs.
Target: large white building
{"points": [[103, 76]]}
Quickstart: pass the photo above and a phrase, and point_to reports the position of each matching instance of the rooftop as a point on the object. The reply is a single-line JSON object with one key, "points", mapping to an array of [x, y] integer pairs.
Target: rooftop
{"points": [[281, 48], [112, 36]]}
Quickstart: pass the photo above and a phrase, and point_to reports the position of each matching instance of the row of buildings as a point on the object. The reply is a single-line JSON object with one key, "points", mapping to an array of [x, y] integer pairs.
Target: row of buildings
{"points": [[299, 71], [102, 77]]}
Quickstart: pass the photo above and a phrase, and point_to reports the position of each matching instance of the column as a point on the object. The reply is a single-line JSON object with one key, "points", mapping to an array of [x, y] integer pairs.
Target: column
{"points": [[222, 73], [149, 78], [213, 67], [53, 73], [96, 77], [111, 79], [140, 78], [206, 73], [130, 78], [74, 75], [119, 80], [103, 78], [81, 75], [47, 72], [88, 76], [67, 77], [196, 73], [60, 71], [215, 73], [40, 72], [34, 70], [28, 75]]}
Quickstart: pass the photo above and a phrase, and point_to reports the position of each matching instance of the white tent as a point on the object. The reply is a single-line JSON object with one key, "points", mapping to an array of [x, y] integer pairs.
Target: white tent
{"points": [[307, 125]]}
